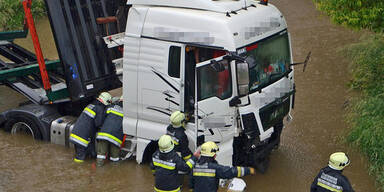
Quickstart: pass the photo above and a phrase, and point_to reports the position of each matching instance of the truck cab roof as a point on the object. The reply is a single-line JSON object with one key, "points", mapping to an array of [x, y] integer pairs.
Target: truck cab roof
{"points": [[221, 6], [205, 27]]}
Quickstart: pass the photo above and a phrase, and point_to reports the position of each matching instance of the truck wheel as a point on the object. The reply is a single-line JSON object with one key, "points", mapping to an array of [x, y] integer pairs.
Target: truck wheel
{"points": [[148, 152], [22, 125]]}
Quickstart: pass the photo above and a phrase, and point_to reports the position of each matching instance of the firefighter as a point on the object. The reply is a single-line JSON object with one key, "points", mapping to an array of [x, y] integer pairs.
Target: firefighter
{"points": [[90, 119], [207, 172], [110, 136], [176, 131], [330, 178], [166, 163]]}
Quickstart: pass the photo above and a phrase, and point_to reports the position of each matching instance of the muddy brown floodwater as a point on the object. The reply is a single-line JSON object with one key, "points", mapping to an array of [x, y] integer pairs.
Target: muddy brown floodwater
{"points": [[318, 125]]}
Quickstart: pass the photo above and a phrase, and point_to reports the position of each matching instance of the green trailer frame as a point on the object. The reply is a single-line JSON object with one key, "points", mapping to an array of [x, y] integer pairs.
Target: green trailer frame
{"points": [[19, 65]]}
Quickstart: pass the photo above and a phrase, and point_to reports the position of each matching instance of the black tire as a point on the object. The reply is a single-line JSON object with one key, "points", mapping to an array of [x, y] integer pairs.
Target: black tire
{"points": [[24, 124], [148, 152]]}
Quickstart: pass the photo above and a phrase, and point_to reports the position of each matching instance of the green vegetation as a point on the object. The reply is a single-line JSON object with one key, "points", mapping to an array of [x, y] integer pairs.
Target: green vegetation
{"points": [[358, 14], [367, 113], [12, 13]]}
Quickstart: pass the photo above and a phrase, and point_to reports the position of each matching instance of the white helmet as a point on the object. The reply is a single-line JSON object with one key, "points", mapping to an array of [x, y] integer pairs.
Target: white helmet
{"points": [[166, 144], [209, 149], [105, 98], [338, 161], [177, 119]]}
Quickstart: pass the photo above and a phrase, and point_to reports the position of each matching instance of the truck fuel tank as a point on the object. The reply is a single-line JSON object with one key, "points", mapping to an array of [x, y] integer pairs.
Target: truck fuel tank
{"points": [[61, 128]]}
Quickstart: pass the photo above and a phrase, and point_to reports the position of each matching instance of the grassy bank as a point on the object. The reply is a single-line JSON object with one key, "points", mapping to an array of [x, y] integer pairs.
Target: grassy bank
{"points": [[366, 113], [357, 14], [12, 13]]}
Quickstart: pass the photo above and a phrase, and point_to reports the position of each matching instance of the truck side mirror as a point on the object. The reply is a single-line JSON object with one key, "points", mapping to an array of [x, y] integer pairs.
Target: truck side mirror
{"points": [[235, 101], [242, 71]]}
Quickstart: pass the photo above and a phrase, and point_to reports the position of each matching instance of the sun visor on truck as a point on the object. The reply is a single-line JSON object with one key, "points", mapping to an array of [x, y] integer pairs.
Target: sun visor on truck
{"points": [[85, 57]]}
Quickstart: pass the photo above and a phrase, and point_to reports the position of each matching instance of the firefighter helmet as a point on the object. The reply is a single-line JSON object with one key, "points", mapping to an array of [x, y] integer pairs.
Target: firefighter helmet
{"points": [[177, 119], [338, 161], [165, 144], [209, 149], [105, 98]]}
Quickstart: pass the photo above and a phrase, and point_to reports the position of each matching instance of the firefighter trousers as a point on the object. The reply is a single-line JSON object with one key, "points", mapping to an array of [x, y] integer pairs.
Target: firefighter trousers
{"points": [[105, 148]]}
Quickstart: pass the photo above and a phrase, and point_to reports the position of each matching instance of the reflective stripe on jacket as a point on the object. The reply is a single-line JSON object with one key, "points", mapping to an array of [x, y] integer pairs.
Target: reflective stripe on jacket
{"points": [[176, 190], [166, 166], [330, 179], [87, 123], [112, 130], [207, 172], [181, 141]]}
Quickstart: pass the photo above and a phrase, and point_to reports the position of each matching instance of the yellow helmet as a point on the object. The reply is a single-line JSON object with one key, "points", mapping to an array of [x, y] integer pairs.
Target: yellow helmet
{"points": [[105, 98], [177, 119], [166, 144], [338, 161], [209, 149]]}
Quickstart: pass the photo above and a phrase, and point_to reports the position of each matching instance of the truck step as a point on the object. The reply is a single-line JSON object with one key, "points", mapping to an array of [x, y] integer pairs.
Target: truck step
{"points": [[126, 155], [129, 149]]}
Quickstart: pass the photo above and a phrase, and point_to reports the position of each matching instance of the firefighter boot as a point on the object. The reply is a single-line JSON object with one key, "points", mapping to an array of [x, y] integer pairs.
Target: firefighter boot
{"points": [[114, 154], [102, 147], [80, 153]]}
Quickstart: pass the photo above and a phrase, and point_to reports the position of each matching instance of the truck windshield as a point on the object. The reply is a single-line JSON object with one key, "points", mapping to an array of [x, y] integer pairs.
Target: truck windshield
{"points": [[268, 60]]}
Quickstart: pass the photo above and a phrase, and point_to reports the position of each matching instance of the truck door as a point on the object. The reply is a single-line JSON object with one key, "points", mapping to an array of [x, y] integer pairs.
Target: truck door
{"points": [[213, 91]]}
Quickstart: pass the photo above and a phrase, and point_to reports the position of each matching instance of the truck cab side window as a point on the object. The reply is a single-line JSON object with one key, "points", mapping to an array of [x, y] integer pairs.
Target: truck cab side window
{"points": [[214, 83], [219, 81], [174, 61]]}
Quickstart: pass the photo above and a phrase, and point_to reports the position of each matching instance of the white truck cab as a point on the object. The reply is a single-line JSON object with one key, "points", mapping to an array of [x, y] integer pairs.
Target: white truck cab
{"points": [[225, 63]]}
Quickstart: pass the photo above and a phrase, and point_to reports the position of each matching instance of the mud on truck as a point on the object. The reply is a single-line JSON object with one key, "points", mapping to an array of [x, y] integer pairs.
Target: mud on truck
{"points": [[226, 63]]}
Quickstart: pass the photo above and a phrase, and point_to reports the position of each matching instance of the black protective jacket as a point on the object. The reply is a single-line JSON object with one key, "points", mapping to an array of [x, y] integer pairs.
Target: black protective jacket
{"points": [[112, 129], [207, 172], [166, 167], [181, 141], [330, 179], [86, 125]]}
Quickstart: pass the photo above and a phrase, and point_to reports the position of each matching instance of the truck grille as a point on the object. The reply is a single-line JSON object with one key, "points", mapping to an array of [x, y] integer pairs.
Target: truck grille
{"points": [[274, 112]]}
